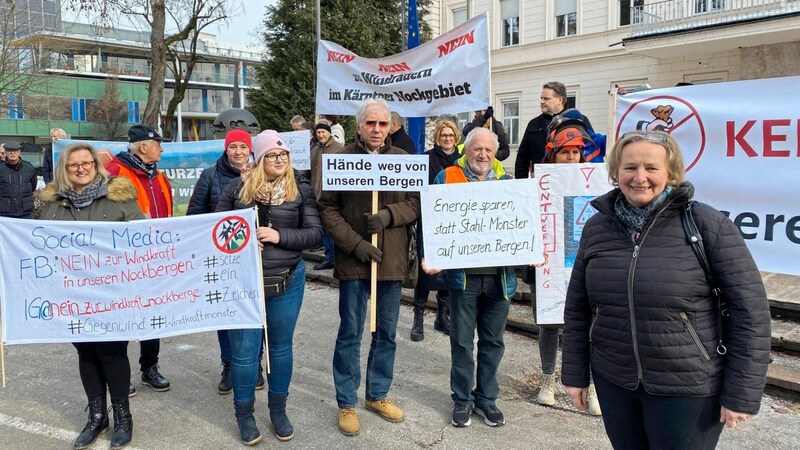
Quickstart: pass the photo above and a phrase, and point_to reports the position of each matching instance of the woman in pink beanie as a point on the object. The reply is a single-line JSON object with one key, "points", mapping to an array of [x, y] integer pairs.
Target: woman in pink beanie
{"points": [[288, 224]]}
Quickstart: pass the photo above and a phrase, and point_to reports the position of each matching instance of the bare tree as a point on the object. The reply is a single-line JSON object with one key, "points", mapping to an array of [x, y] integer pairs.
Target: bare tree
{"points": [[109, 112], [189, 17]]}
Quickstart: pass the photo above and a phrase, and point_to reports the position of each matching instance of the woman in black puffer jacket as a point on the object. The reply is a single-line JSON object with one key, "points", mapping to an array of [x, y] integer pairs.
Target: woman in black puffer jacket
{"points": [[641, 315], [288, 224], [230, 166]]}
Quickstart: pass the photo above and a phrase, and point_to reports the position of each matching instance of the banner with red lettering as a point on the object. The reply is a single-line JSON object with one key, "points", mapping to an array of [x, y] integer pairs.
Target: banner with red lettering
{"points": [[119, 281], [446, 75], [741, 150]]}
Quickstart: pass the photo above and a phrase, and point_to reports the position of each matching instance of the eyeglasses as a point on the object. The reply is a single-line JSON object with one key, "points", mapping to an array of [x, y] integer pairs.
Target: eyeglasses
{"points": [[447, 136], [652, 136], [273, 157], [374, 123], [86, 165], [12, 150]]}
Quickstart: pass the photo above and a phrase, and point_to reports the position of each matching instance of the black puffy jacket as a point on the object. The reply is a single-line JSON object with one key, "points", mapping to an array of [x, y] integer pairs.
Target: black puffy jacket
{"points": [[17, 184], [644, 313], [210, 186], [296, 221]]}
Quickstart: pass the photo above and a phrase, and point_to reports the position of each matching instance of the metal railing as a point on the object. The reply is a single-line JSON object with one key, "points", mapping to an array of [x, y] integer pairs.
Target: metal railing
{"points": [[676, 15]]}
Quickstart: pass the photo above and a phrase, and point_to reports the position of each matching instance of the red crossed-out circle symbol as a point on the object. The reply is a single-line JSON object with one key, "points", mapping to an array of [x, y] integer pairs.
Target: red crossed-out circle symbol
{"points": [[231, 234], [684, 124]]}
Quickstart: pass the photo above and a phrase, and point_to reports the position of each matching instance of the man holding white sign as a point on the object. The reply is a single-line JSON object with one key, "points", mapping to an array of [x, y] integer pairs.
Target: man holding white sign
{"points": [[478, 297], [347, 217]]}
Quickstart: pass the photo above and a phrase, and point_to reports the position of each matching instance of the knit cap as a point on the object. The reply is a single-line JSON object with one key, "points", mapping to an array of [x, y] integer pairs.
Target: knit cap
{"points": [[266, 141], [238, 135]]}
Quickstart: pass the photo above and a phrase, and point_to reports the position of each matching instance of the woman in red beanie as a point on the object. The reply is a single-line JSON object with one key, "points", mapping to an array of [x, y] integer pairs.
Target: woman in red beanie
{"points": [[234, 161]]}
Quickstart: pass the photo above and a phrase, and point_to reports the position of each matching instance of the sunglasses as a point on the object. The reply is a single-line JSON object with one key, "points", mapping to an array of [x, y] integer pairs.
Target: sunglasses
{"points": [[374, 123], [651, 136]]}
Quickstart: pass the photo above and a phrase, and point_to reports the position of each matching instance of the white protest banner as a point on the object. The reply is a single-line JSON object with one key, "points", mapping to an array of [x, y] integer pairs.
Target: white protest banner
{"points": [[449, 73], [484, 224], [565, 191], [299, 142], [115, 281], [742, 154], [374, 172]]}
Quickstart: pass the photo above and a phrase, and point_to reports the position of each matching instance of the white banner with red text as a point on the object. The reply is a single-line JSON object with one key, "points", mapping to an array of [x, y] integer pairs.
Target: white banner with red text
{"points": [[740, 145], [116, 281], [446, 75], [565, 193]]}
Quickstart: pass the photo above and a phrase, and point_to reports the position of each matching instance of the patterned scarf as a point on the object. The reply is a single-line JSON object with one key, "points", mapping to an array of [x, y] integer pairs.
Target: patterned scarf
{"points": [[635, 218], [148, 168], [91, 192], [273, 193]]}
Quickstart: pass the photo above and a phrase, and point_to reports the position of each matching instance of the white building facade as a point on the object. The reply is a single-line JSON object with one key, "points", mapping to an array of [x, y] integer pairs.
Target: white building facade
{"points": [[593, 46]]}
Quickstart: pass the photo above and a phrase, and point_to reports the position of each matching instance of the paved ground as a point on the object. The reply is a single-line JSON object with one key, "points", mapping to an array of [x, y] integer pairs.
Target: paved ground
{"points": [[42, 407]]}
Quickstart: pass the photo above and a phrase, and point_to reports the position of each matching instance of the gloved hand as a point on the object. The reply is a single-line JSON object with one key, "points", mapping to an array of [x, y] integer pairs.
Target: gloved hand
{"points": [[377, 222], [489, 113], [366, 252]]}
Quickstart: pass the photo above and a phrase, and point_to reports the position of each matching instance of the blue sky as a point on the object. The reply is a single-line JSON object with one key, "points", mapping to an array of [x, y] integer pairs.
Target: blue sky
{"points": [[243, 28]]}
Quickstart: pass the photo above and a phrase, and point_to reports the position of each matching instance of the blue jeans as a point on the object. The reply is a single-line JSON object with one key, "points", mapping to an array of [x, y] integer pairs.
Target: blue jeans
{"points": [[482, 305], [225, 346], [282, 314], [327, 242], [353, 301]]}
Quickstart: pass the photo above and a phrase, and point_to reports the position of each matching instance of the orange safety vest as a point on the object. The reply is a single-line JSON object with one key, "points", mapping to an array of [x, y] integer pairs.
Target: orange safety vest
{"points": [[454, 174], [142, 199]]}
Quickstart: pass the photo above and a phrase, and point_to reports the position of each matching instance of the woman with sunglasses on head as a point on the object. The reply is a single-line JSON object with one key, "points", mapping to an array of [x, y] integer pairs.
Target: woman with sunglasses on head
{"points": [[443, 155], [235, 161], [288, 224], [643, 317], [566, 144], [82, 190]]}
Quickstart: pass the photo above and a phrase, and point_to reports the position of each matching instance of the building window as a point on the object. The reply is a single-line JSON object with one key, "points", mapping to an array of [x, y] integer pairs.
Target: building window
{"points": [[630, 14], [704, 6], [459, 16], [566, 17], [572, 100], [511, 119], [15, 104], [509, 22], [133, 112], [78, 109]]}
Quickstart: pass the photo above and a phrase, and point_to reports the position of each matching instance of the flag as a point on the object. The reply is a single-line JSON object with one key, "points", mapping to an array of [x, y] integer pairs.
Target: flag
{"points": [[416, 125]]}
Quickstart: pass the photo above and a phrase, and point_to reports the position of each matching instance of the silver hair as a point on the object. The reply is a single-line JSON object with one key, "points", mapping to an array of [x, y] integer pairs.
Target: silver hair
{"points": [[297, 119], [370, 102], [133, 147], [60, 131], [480, 130]]}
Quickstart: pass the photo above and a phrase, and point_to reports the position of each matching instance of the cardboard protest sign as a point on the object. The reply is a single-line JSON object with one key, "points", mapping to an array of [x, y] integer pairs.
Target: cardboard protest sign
{"points": [[485, 224], [565, 193]]}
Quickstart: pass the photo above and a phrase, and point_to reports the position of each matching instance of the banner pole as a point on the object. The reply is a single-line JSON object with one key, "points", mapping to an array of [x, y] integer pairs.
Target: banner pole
{"points": [[373, 282], [2, 355], [263, 300]]}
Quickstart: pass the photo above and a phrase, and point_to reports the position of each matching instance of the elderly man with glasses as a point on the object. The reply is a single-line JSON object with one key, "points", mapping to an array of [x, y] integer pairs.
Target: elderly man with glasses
{"points": [[17, 183], [346, 216]]}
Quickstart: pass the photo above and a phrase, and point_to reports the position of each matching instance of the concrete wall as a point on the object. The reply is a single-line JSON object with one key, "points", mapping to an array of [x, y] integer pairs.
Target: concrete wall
{"points": [[768, 61]]}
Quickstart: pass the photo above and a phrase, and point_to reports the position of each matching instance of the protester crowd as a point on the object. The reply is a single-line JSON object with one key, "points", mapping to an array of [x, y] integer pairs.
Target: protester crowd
{"points": [[644, 315]]}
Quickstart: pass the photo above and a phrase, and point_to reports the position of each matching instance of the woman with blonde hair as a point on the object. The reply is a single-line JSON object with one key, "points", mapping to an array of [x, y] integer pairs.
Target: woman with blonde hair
{"points": [[288, 224], [82, 190]]}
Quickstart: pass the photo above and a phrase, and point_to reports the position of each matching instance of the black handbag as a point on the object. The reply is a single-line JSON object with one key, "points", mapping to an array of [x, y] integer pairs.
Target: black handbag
{"points": [[276, 281], [695, 240]]}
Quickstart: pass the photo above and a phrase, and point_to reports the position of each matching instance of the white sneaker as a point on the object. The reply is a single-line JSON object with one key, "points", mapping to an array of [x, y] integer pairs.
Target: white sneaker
{"points": [[594, 404], [547, 393]]}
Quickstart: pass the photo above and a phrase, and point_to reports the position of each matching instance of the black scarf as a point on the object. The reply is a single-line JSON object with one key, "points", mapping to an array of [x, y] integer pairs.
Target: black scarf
{"points": [[148, 168]]}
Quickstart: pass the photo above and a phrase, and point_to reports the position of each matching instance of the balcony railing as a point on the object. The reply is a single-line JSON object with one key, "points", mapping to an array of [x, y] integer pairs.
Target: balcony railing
{"points": [[677, 15]]}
